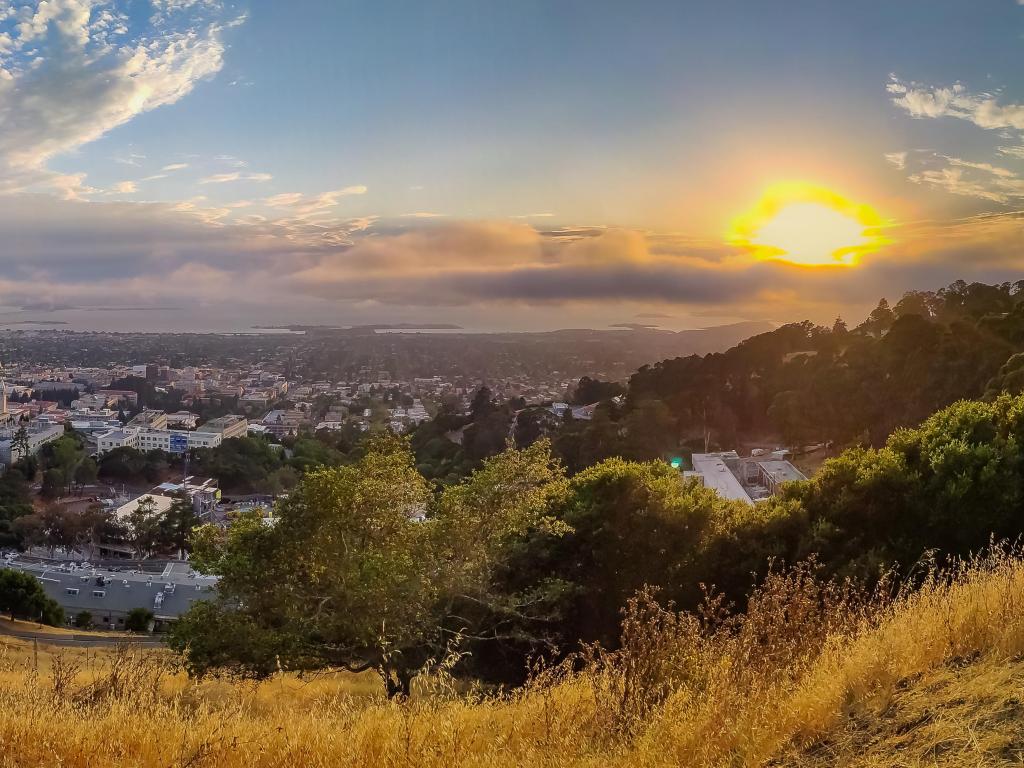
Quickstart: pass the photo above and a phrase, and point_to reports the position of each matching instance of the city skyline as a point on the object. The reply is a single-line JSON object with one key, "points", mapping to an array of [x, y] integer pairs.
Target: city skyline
{"points": [[521, 167]]}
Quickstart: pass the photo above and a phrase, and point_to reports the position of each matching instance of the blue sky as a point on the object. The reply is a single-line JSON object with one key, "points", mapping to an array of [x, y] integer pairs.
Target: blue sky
{"points": [[501, 164]]}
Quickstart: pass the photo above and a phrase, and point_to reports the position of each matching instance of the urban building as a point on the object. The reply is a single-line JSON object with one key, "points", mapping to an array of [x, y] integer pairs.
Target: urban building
{"points": [[109, 596], [748, 479], [37, 434], [149, 418], [226, 426]]}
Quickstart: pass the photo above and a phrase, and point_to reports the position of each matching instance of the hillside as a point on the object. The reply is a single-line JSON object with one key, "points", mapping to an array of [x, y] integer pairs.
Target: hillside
{"points": [[959, 714], [931, 677]]}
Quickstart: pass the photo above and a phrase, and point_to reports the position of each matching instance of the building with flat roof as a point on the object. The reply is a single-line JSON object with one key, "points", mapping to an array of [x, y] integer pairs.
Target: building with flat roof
{"points": [[149, 418], [37, 434], [228, 426], [116, 438], [111, 595], [748, 479]]}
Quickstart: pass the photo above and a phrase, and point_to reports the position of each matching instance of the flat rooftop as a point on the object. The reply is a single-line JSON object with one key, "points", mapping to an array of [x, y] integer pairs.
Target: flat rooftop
{"points": [[782, 471], [719, 477], [121, 590]]}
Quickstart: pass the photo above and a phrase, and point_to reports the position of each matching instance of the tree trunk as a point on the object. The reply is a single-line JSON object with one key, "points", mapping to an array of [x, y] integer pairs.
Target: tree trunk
{"points": [[397, 683]]}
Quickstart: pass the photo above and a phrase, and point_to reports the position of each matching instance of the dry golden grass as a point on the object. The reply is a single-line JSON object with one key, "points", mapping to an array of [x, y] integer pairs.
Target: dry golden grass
{"points": [[813, 678]]}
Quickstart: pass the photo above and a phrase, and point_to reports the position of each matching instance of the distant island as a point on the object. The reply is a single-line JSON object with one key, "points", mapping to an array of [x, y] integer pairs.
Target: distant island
{"points": [[37, 322], [362, 328]]}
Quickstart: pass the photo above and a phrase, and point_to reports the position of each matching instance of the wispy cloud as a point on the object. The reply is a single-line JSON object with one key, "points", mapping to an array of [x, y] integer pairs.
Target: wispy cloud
{"points": [[305, 205], [224, 178], [174, 167], [897, 159], [981, 179], [982, 109], [71, 71]]}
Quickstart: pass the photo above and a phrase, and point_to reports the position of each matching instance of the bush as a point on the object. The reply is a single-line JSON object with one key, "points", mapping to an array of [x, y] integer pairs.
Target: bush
{"points": [[138, 620], [83, 620]]}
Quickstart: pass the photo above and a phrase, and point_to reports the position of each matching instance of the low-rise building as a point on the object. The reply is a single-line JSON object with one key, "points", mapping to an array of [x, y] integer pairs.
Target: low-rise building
{"points": [[227, 427], [749, 479], [281, 423], [116, 438], [37, 434], [109, 596], [149, 419]]}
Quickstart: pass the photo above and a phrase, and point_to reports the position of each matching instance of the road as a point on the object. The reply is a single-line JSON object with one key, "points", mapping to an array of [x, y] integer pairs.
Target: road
{"points": [[81, 641]]}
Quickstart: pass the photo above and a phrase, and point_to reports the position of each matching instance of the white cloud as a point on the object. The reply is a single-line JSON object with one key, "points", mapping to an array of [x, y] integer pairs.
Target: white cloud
{"points": [[125, 188], [71, 76], [897, 159], [982, 109], [971, 178], [283, 199], [174, 167], [957, 176], [224, 178], [231, 160], [307, 205], [423, 215]]}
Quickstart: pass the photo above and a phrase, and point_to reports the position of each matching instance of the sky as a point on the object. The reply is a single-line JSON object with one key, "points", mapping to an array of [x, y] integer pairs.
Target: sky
{"points": [[213, 164]]}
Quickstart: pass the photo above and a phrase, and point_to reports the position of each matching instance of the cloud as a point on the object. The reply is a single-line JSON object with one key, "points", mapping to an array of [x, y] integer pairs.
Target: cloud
{"points": [[224, 178], [93, 252], [70, 72], [125, 187], [300, 204], [174, 167], [423, 215], [981, 179], [231, 160], [982, 109], [897, 159]]}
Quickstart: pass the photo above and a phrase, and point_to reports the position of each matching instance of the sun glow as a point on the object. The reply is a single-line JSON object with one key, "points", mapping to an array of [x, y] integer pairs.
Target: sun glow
{"points": [[808, 225]]}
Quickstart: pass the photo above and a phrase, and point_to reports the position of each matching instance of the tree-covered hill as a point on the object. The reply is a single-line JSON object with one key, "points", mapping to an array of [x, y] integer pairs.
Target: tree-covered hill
{"points": [[803, 383]]}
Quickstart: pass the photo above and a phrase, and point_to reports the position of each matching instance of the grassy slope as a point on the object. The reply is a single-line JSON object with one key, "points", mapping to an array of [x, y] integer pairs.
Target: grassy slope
{"points": [[960, 715], [933, 680]]}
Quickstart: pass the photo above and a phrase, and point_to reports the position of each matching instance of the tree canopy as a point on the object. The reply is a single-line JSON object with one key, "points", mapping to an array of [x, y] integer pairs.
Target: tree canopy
{"points": [[365, 568]]}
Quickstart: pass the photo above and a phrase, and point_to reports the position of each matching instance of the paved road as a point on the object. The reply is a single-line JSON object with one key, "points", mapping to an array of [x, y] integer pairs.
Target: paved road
{"points": [[81, 641]]}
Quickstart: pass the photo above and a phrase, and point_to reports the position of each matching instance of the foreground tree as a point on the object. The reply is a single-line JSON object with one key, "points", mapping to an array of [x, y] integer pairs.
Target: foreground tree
{"points": [[364, 568], [22, 597]]}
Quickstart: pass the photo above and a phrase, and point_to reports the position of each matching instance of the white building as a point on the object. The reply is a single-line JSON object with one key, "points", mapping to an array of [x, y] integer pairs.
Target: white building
{"points": [[167, 440], [748, 479], [38, 434], [116, 438]]}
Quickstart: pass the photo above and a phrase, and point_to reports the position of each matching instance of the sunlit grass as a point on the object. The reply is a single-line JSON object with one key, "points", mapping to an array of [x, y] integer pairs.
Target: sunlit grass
{"points": [[794, 686]]}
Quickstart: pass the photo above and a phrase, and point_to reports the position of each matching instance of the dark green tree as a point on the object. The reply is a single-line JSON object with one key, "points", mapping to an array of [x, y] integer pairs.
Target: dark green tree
{"points": [[22, 597]]}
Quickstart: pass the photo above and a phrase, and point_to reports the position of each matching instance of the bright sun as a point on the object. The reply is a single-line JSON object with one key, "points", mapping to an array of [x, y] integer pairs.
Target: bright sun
{"points": [[808, 225]]}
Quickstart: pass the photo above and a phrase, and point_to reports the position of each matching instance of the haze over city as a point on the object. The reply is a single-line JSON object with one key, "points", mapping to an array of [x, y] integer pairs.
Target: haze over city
{"points": [[208, 165]]}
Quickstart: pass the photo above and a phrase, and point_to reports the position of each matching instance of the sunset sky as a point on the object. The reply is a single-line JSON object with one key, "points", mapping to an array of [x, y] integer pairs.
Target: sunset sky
{"points": [[507, 165]]}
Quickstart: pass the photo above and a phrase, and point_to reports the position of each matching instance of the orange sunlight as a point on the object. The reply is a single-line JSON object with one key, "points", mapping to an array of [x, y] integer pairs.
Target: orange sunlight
{"points": [[808, 225]]}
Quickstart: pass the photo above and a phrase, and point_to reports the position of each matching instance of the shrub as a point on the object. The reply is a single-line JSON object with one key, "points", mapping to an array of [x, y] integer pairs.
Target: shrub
{"points": [[138, 620]]}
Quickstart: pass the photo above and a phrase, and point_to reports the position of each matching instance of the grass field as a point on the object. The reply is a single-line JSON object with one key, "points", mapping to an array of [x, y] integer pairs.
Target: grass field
{"points": [[932, 677]]}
